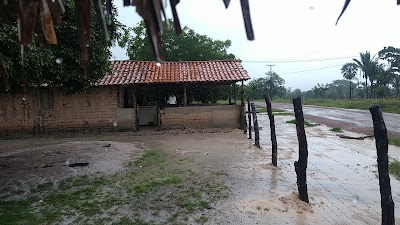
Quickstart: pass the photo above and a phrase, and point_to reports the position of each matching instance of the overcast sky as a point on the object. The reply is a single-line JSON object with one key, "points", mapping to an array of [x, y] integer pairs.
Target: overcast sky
{"points": [[298, 36]]}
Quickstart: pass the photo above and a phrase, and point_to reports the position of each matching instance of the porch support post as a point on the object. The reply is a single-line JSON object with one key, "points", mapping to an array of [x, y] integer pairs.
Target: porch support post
{"points": [[243, 124], [234, 93], [134, 96], [136, 108], [184, 95], [120, 92], [230, 94]]}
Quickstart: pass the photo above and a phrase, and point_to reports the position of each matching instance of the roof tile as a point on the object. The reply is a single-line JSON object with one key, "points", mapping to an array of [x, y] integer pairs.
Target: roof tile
{"points": [[147, 72]]}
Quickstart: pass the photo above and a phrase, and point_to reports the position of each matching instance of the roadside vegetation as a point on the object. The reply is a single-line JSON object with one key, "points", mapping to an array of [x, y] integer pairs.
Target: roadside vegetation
{"points": [[336, 129], [157, 186], [394, 168], [394, 141], [380, 84], [306, 123], [386, 105]]}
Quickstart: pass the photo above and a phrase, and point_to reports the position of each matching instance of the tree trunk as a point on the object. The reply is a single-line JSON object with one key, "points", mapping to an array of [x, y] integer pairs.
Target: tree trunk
{"points": [[381, 141], [366, 85], [372, 85], [350, 90]]}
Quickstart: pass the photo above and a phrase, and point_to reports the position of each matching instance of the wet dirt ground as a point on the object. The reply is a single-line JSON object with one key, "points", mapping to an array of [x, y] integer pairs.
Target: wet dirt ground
{"points": [[342, 174]]}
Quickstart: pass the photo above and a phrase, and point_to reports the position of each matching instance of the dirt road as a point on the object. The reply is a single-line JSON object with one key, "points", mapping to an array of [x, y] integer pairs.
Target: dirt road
{"points": [[359, 121]]}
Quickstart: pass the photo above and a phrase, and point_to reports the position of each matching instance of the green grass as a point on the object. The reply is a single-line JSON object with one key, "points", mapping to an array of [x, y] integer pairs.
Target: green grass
{"points": [[386, 105], [284, 114], [261, 109], [157, 182], [336, 129], [394, 168], [278, 110], [202, 220], [394, 141], [306, 123]]}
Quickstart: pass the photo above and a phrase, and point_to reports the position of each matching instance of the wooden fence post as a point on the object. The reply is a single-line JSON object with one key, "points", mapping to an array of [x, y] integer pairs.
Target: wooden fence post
{"points": [[249, 116], [273, 134], [256, 131], [301, 165], [381, 141]]}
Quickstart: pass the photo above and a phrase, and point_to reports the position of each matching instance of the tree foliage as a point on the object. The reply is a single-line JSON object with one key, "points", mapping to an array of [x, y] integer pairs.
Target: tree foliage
{"points": [[272, 84], [320, 90], [349, 71], [392, 56], [368, 65], [56, 65], [188, 46]]}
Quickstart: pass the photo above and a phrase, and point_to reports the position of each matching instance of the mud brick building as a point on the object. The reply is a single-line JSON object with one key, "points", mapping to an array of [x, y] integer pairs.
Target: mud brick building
{"points": [[135, 93]]}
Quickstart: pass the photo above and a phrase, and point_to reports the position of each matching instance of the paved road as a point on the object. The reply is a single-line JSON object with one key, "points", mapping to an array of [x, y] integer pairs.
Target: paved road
{"points": [[347, 119]]}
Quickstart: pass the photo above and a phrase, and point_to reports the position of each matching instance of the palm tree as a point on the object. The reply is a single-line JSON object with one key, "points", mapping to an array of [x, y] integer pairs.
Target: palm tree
{"points": [[369, 67], [349, 71]]}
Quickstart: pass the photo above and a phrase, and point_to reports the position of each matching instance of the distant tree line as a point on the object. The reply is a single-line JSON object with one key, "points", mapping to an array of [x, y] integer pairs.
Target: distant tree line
{"points": [[380, 74]]}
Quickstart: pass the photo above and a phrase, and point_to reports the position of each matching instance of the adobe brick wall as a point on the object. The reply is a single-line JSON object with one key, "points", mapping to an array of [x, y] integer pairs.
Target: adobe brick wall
{"points": [[17, 114], [91, 109], [220, 116]]}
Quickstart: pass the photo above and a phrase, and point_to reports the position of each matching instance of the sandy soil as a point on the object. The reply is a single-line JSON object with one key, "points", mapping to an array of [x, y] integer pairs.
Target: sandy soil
{"points": [[342, 180]]}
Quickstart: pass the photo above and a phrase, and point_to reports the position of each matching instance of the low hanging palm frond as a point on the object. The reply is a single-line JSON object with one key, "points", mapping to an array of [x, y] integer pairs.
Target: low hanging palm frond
{"points": [[346, 3]]}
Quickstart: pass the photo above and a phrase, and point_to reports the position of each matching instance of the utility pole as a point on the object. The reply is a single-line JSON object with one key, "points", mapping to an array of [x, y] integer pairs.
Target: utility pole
{"points": [[269, 82], [270, 67]]}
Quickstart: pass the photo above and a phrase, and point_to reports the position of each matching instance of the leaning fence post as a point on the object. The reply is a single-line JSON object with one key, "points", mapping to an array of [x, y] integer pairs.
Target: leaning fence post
{"points": [[273, 134], [249, 116], [256, 131], [381, 141], [301, 165]]}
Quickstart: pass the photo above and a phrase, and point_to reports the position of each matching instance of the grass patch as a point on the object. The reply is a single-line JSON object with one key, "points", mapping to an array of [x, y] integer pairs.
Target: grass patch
{"points": [[386, 105], [306, 123], [202, 219], [284, 114], [394, 168], [157, 183], [336, 129], [261, 109], [150, 158], [278, 110], [394, 141], [293, 121]]}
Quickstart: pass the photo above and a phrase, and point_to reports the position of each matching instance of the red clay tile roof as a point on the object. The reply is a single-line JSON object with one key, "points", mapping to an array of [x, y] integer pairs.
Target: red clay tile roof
{"points": [[146, 72]]}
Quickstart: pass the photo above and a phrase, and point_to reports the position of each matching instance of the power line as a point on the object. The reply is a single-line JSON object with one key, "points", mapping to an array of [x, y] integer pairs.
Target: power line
{"points": [[320, 68], [298, 60], [345, 42]]}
